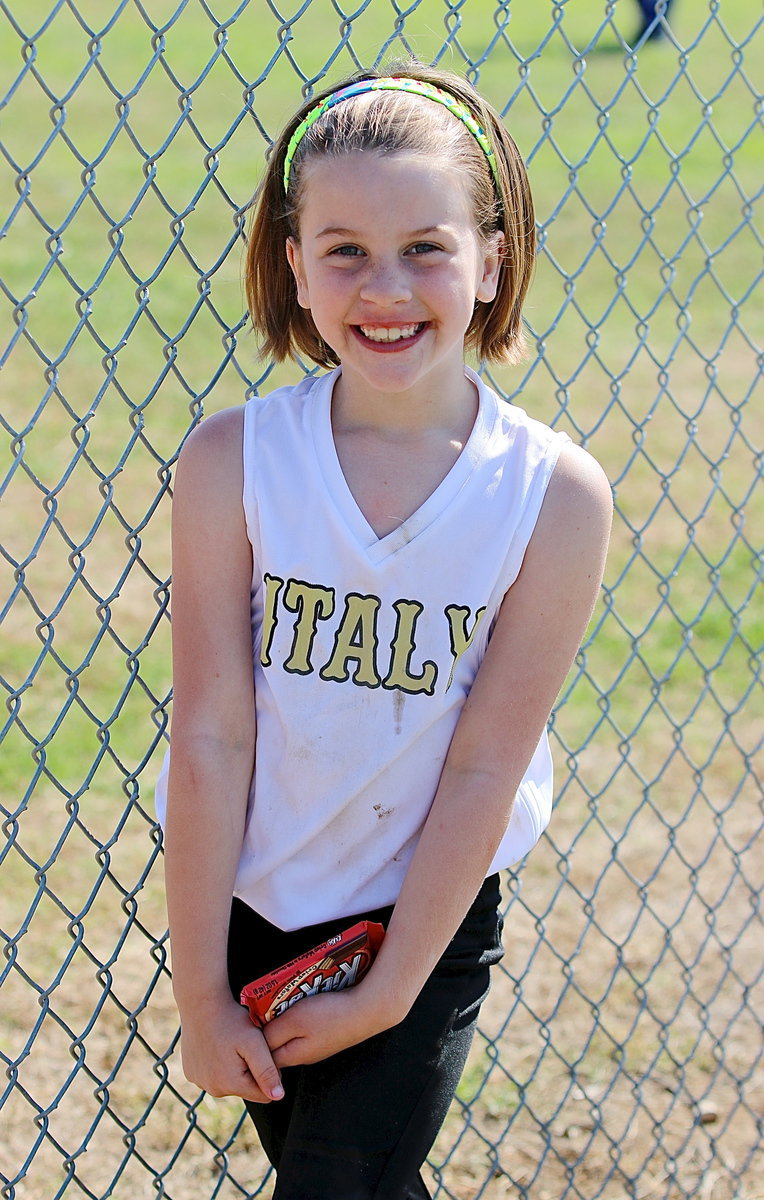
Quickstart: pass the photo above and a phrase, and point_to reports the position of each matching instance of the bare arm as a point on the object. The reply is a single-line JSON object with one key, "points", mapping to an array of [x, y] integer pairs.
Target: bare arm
{"points": [[538, 632], [213, 741], [537, 635]]}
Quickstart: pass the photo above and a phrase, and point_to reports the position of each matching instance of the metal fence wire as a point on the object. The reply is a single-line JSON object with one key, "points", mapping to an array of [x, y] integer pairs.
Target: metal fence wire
{"points": [[619, 1054]]}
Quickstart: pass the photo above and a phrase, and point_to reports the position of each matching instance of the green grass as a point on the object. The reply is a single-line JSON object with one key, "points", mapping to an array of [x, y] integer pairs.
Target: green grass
{"points": [[121, 267]]}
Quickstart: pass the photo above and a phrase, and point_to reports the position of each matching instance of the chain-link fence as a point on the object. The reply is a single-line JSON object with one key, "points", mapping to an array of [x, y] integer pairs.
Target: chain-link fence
{"points": [[620, 1052]]}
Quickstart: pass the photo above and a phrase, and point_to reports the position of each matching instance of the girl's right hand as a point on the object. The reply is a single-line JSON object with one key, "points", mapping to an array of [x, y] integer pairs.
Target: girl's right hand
{"points": [[226, 1055]]}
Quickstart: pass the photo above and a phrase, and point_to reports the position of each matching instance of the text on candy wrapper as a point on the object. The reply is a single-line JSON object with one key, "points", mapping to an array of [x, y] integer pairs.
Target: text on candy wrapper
{"points": [[344, 977]]}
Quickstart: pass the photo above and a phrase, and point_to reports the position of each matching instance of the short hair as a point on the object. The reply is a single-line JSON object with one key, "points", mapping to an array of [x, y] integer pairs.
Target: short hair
{"points": [[393, 122]]}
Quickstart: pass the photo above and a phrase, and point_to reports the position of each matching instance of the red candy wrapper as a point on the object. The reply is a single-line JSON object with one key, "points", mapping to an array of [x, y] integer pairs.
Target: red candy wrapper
{"points": [[337, 963]]}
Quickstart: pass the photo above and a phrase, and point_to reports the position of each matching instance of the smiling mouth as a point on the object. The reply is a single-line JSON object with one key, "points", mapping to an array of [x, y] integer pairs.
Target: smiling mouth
{"points": [[386, 335]]}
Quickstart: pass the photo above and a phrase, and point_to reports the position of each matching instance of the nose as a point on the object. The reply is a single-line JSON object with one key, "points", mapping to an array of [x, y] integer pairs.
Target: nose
{"points": [[385, 282]]}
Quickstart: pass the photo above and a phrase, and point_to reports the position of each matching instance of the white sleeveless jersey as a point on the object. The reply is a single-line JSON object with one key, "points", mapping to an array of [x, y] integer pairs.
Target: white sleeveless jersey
{"points": [[365, 648]]}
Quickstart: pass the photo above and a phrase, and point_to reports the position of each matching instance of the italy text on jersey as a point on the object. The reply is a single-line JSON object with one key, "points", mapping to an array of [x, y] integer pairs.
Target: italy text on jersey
{"points": [[357, 654]]}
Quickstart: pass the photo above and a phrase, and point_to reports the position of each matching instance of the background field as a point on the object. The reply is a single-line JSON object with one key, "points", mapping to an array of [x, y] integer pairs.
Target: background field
{"points": [[620, 1052]]}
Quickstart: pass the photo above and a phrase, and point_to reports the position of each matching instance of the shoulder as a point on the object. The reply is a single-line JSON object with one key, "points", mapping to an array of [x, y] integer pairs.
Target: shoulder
{"points": [[577, 477], [577, 510], [557, 586], [209, 474], [573, 482], [209, 537], [579, 481], [523, 436], [213, 444], [221, 432]]}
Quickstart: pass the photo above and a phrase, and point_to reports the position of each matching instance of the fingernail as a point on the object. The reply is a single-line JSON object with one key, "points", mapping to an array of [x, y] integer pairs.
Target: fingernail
{"points": [[277, 1093]]}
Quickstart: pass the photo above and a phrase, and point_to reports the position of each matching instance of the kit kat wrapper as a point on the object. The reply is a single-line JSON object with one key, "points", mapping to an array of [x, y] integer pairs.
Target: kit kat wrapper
{"points": [[339, 962]]}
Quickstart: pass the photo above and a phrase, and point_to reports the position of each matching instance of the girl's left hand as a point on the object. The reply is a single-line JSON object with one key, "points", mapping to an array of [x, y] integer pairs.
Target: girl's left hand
{"points": [[320, 1026]]}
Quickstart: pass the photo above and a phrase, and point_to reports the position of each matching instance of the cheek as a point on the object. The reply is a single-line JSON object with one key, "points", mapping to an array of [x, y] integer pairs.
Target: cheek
{"points": [[330, 291], [462, 292]]}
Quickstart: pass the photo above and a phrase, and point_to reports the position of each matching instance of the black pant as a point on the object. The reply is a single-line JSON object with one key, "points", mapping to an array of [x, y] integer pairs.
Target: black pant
{"points": [[359, 1125]]}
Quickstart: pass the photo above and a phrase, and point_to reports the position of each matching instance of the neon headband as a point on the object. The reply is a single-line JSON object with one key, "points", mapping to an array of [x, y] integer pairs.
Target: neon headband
{"points": [[415, 87]]}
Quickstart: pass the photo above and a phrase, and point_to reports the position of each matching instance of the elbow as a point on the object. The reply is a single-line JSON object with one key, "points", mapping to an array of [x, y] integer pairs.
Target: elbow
{"points": [[206, 763]]}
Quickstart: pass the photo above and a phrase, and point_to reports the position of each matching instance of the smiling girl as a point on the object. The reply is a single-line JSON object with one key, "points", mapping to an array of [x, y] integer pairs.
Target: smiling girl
{"points": [[381, 577]]}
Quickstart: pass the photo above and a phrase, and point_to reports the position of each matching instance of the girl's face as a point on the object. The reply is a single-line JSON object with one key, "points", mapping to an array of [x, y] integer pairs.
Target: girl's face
{"points": [[390, 265]]}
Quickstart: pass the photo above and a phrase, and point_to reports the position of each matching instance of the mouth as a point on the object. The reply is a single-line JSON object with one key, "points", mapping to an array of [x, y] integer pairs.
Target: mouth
{"points": [[382, 337]]}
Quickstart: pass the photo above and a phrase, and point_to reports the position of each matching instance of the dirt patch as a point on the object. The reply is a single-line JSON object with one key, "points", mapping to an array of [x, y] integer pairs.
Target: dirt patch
{"points": [[618, 1054]]}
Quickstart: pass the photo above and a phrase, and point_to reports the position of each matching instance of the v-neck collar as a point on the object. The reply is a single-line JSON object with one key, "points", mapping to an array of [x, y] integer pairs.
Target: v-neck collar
{"points": [[379, 548]]}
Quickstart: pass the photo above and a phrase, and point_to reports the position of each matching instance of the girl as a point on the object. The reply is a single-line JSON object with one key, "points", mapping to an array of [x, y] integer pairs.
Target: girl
{"points": [[385, 572]]}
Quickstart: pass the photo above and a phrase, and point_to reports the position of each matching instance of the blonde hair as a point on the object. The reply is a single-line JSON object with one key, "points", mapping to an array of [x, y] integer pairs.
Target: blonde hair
{"points": [[392, 122]]}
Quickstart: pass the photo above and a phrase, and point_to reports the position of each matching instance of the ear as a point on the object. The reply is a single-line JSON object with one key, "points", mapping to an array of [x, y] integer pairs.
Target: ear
{"points": [[492, 259], [294, 257]]}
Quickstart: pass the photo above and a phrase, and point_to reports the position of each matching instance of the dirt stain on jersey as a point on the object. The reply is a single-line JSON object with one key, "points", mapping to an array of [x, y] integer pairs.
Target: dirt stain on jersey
{"points": [[399, 699]]}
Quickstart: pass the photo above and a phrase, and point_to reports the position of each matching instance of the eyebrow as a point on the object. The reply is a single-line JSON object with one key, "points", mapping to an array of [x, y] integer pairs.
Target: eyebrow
{"points": [[338, 231]]}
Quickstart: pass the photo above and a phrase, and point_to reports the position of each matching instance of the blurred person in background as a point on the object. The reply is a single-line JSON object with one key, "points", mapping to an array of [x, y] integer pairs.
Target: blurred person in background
{"points": [[655, 15]]}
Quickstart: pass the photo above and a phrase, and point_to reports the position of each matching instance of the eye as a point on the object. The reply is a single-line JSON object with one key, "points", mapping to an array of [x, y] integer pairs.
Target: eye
{"points": [[420, 248], [347, 251]]}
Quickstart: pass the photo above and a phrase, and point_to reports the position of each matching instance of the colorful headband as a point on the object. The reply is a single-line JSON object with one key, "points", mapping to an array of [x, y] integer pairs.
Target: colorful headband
{"points": [[416, 87]]}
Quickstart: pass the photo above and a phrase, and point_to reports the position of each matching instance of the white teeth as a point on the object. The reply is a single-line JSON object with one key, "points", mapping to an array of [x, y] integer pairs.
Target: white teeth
{"points": [[395, 333]]}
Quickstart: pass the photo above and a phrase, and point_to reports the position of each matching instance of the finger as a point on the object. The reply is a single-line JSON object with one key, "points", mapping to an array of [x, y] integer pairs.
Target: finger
{"points": [[263, 1069], [291, 1054], [277, 1033], [291, 1024], [252, 1094], [243, 1086], [237, 1080]]}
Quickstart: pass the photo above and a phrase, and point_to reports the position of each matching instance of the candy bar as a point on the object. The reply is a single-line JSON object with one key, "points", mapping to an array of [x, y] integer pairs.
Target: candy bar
{"points": [[337, 963]]}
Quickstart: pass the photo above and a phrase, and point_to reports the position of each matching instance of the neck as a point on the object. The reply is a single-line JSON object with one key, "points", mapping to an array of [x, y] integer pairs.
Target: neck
{"points": [[450, 410]]}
